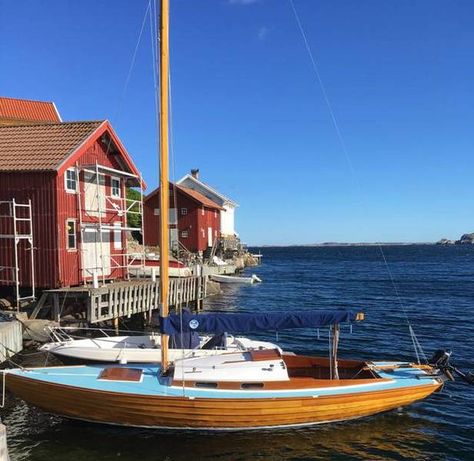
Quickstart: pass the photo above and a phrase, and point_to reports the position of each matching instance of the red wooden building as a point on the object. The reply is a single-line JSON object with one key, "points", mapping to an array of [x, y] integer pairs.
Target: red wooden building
{"points": [[75, 174], [194, 219]]}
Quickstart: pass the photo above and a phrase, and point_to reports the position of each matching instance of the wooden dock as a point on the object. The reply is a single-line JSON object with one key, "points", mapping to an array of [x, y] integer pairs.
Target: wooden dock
{"points": [[123, 299]]}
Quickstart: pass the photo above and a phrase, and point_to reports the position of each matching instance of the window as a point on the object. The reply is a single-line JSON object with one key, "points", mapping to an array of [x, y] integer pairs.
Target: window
{"points": [[184, 211], [202, 211], [70, 179], [203, 233], [156, 212], [206, 385], [215, 214], [118, 236], [184, 234], [71, 234], [115, 186]]}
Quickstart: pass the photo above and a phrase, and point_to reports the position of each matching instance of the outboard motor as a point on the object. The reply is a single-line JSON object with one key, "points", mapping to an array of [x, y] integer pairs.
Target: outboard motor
{"points": [[440, 360]]}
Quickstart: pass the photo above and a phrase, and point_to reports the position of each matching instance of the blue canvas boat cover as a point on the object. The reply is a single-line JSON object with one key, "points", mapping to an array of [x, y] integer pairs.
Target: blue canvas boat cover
{"points": [[244, 323]]}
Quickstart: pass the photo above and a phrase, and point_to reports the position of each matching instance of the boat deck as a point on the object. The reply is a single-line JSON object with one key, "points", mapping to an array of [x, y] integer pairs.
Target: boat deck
{"points": [[88, 378]]}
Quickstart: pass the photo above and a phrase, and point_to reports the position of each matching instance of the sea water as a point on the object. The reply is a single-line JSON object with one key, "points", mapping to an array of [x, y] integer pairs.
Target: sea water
{"points": [[431, 287]]}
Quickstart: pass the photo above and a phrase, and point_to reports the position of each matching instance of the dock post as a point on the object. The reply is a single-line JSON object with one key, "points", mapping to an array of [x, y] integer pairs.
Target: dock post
{"points": [[3, 443], [95, 279], [56, 312]]}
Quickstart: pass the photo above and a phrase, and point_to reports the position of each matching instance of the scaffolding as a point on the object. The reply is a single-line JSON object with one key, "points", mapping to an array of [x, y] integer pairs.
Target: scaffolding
{"points": [[17, 221], [104, 205]]}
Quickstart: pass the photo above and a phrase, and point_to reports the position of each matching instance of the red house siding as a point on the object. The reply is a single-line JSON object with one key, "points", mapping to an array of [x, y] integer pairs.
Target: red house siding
{"points": [[71, 272], [194, 222], [40, 188]]}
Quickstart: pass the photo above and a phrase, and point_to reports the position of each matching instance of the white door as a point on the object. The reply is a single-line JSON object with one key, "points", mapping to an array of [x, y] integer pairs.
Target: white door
{"points": [[96, 255], [173, 238], [94, 194], [209, 236]]}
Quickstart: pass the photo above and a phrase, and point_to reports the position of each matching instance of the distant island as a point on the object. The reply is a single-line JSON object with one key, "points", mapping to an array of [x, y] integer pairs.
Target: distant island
{"points": [[466, 239], [345, 244]]}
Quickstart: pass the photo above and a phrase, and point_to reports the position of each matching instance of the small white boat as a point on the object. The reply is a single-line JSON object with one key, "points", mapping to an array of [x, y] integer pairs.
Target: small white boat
{"points": [[143, 348], [235, 279]]}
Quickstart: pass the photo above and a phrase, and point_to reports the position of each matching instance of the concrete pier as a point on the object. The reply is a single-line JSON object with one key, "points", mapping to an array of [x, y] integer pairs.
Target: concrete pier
{"points": [[11, 339]]}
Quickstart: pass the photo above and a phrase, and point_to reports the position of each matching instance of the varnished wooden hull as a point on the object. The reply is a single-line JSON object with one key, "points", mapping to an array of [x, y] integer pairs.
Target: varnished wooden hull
{"points": [[208, 413]]}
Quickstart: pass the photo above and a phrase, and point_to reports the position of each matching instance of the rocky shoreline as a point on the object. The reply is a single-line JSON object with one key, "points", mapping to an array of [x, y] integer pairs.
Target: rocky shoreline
{"points": [[466, 239]]}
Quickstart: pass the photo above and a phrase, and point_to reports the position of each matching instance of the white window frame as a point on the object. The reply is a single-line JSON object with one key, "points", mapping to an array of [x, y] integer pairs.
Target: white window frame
{"points": [[203, 233], [73, 222], [112, 179], [184, 211], [202, 211], [184, 234], [118, 236], [156, 212], [68, 189]]}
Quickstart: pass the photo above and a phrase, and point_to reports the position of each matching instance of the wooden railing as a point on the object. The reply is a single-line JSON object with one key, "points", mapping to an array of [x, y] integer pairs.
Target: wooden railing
{"points": [[125, 299]]}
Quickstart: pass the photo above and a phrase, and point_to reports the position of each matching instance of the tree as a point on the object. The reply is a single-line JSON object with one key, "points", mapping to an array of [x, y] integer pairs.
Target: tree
{"points": [[134, 217]]}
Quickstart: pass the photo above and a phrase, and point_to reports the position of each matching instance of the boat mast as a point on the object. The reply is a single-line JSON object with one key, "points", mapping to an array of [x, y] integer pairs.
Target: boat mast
{"points": [[164, 171]]}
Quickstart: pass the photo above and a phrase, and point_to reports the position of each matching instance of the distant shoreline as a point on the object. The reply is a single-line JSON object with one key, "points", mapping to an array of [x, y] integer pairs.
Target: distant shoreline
{"points": [[343, 244]]}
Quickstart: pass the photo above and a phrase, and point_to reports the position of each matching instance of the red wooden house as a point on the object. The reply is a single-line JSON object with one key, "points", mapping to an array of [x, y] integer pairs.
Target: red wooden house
{"points": [[194, 219], [75, 175]]}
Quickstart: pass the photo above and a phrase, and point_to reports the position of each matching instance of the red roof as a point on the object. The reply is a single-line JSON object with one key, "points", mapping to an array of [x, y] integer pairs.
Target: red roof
{"points": [[55, 146], [200, 198], [41, 147], [197, 196], [28, 111]]}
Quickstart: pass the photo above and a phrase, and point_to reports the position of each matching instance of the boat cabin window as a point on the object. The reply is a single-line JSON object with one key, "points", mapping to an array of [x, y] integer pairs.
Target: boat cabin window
{"points": [[205, 385], [251, 386]]}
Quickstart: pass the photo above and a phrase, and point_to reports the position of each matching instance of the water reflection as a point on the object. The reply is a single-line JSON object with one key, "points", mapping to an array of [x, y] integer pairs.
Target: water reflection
{"points": [[33, 435]]}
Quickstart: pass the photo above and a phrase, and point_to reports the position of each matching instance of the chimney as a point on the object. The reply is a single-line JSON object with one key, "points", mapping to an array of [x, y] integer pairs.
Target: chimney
{"points": [[195, 173]]}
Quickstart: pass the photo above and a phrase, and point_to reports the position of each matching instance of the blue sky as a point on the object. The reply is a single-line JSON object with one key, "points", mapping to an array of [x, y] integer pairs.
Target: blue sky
{"points": [[248, 111]]}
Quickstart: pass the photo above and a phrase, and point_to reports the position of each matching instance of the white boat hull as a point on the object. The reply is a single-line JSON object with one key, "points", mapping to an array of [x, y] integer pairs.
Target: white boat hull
{"points": [[235, 279], [143, 349]]}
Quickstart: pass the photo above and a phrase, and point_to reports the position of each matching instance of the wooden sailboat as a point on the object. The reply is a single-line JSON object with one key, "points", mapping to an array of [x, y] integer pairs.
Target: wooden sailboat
{"points": [[230, 391]]}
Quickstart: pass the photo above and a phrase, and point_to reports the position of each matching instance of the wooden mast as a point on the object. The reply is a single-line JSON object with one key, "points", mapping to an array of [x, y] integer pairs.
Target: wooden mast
{"points": [[164, 171]]}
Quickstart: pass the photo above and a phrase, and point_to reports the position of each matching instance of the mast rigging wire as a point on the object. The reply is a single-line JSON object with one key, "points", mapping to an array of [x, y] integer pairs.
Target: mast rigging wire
{"points": [[314, 64]]}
